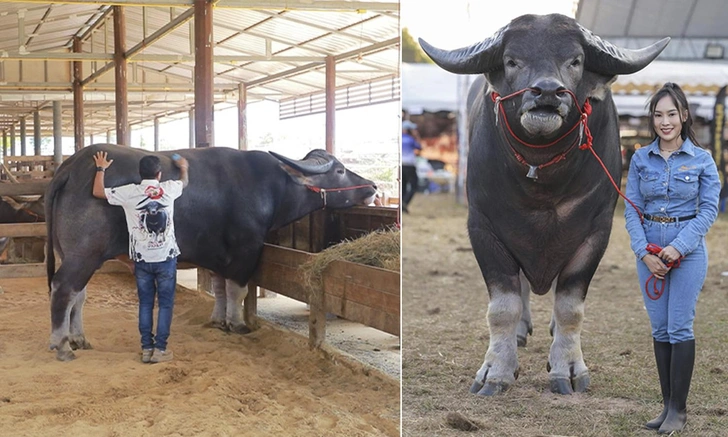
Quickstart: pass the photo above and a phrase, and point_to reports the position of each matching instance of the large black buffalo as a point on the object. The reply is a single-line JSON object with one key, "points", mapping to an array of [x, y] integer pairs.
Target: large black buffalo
{"points": [[540, 203], [234, 198]]}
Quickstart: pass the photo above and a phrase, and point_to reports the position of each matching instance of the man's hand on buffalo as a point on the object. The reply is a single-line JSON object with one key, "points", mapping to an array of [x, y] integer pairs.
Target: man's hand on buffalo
{"points": [[101, 165], [183, 165], [656, 266], [101, 161]]}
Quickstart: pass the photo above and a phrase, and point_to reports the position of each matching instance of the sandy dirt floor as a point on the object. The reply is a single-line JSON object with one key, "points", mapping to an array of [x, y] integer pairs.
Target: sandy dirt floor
{"points": [[267, 383], [445, 336], [367, 345]]}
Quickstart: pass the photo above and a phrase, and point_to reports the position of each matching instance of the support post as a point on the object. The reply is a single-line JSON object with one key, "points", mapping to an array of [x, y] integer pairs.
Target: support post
{"points": [[108, 137], [12, 141], [5, 145], [57, 134], [330, 103], [36, 132], [156, 134], [78, 133], [123, 136], [242, 116], [22, 137], [204, 105], [192, 128]]}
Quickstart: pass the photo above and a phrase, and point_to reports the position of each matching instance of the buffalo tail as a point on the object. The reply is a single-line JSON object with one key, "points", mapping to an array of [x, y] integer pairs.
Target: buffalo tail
{"points": [[56, 185]]}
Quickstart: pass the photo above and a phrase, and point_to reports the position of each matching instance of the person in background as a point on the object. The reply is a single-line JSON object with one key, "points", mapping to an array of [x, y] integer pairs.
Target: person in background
{"points": [[149, 210], [410, 149], [675, 184]]}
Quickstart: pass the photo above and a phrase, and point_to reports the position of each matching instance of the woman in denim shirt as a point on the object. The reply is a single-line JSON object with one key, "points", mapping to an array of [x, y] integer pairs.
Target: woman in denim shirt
{"points": [[674, 182]]}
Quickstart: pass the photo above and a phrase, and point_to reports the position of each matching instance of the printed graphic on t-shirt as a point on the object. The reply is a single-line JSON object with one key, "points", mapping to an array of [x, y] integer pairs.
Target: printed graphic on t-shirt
{"points": [[149, 209]]}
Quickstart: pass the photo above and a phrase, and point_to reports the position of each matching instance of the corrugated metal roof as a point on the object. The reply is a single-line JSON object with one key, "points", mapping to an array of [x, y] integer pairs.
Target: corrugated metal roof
{"points": [[692, 24], [278, 52]]}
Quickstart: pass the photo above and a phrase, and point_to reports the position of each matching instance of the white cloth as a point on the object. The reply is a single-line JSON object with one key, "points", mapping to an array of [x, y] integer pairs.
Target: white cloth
{"points": [[149, 209]]}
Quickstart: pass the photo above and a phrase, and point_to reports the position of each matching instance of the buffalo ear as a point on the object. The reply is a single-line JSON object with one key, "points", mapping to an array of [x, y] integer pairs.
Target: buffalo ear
{"points": [[603, 84], [295, 174]]}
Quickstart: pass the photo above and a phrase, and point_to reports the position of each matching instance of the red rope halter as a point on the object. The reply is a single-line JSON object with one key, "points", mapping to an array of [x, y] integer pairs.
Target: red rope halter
{"points": [[584, 130], [324, 191], [656, 293]]}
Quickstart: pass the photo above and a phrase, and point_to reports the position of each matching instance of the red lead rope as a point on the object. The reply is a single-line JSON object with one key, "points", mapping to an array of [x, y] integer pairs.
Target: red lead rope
{"points": [[657, 293]]}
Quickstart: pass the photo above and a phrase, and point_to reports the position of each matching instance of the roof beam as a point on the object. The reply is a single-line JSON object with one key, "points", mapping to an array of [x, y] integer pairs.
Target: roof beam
{"points": [[161, 58], [300, 5], [342, 57]]}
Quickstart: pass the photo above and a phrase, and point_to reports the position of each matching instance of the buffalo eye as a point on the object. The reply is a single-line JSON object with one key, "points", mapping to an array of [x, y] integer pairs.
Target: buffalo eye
{"points": [[340, 171], [511, 63], [576, 62]]}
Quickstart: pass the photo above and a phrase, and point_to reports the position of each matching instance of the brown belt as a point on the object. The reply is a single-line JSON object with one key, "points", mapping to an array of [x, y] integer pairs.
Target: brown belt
{"points": [[655, 218]]}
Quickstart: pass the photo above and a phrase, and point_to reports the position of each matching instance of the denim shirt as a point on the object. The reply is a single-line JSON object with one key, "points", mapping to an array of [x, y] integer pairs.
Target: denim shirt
{"points": [[686, 183]]}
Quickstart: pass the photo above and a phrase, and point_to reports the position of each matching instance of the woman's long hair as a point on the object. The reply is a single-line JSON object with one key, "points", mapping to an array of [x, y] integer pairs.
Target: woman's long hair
{"points": [[681, 102]]}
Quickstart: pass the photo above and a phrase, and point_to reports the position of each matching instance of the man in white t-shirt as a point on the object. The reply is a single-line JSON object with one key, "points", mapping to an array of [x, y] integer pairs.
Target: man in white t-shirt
{"points": [[149, 209]]}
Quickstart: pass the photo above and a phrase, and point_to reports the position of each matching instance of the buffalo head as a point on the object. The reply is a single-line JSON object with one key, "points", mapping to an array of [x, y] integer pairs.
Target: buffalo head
{"points": [[321, 170], [547, 55]]}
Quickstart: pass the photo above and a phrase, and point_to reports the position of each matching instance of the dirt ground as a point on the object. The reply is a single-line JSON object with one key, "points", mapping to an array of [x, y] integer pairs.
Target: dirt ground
{"points": [[445, 336], [267, 383]]}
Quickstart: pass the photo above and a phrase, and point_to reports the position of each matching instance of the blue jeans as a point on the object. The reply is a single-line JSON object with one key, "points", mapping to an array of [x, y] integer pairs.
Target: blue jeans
{"points": [[155, 279], [672, 315]]}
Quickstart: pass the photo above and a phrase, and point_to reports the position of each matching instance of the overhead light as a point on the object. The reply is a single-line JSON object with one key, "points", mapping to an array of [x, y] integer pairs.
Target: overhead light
{"points": [[714, 51]]}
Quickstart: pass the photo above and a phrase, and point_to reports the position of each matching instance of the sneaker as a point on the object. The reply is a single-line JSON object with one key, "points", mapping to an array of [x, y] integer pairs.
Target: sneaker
{"points": [[160, 356], [147, 355]]}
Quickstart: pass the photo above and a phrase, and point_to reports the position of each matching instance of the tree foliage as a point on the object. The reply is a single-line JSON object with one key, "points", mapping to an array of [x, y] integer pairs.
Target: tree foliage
{"points": [[411, 50]]}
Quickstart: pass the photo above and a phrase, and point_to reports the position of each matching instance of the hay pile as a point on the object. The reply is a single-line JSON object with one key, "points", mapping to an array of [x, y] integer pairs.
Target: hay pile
{"points": [[377, 249]]}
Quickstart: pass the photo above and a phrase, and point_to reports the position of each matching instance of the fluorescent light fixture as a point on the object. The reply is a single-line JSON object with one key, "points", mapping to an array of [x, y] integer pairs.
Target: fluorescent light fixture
{"points": [[714, 51]]}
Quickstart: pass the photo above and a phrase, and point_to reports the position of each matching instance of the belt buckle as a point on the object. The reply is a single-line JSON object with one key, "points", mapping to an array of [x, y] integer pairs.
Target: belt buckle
{"points": [[666, 220]]}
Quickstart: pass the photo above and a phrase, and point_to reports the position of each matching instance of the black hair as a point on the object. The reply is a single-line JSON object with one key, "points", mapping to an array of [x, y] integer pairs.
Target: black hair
{"points": [[681, 103], [149, 167]]}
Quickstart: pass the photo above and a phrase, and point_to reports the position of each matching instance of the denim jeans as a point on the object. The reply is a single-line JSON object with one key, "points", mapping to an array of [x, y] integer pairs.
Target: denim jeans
{"points": [[152, 279], [672, 315]]}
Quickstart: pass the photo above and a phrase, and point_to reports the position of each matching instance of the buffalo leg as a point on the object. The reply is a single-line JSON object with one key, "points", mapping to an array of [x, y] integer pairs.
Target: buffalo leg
{"points": [[68, 291], [568, 372], [234, 314], [501, 274], [525, 327], [217, 319], [77, 338], [500, 366]]}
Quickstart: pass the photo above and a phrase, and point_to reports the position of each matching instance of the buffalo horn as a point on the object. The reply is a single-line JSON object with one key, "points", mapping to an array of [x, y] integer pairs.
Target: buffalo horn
{"points": [[605, 58], [307, 166], [482, 57]]}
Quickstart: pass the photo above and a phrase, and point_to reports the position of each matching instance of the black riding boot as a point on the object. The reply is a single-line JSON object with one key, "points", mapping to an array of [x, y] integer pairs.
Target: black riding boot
{"points": [[663, 351], [681, 372]]}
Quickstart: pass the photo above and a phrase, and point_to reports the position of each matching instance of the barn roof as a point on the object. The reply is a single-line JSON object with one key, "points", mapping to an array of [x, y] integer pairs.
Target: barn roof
{"points": [[276, 47], [694, 25]]}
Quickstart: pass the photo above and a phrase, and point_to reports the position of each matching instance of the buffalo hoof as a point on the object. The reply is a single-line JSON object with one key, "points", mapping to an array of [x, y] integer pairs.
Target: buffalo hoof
{"points": [[65, 355], [548, 366], [239, 329], [491, 388], [475, 388], [79, 343], [217, 324], [561, 386], [521, 340], [581, 383]]}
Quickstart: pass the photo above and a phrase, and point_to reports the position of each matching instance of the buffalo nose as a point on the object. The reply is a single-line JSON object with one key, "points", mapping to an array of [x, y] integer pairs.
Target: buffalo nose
{"points": [[374, 186], [547, 88]]}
